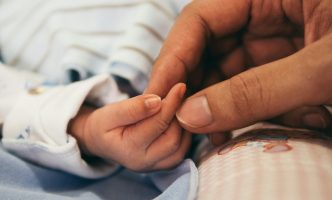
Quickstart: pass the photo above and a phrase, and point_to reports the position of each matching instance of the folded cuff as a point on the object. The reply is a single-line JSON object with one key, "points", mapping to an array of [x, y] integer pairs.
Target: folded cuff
{"points": [[36, 128]]}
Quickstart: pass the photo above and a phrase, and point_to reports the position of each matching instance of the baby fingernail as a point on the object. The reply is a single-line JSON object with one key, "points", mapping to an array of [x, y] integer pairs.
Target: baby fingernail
{"points": [[152, 102], [314, 120], [195, 112], [183, 90]]}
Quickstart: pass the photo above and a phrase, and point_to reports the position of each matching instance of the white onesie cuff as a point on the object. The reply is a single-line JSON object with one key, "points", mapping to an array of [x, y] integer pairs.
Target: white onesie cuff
{"points": [[36, 128]]}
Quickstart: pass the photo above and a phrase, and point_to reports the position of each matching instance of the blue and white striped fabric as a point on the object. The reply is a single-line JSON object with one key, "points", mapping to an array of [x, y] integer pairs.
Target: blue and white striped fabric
{"points": [[52, 37]]}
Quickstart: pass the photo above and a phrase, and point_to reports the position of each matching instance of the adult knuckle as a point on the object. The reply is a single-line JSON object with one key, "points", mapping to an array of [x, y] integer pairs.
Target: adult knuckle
{"points": [[248, 94], [172, 61], [239, 92]]}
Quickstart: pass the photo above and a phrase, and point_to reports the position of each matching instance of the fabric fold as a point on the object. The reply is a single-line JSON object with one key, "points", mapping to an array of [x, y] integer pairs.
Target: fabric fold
{"points": [[36, 128]]}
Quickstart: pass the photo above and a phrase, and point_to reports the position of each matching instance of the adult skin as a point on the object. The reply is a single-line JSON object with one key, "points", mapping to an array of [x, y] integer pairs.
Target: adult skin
{"points": [[289, 42]]}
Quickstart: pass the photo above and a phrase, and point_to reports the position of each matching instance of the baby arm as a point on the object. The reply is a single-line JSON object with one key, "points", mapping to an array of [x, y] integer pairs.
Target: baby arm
{"points": [[138, 133]]}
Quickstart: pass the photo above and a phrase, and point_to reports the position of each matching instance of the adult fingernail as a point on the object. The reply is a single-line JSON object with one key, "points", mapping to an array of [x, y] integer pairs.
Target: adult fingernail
{"points": [[195, 112], [152, 102], [314, 120]]}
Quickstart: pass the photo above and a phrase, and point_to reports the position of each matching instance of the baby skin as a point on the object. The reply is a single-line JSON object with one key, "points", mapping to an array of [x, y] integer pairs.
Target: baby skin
{"points": [[138, 133]]}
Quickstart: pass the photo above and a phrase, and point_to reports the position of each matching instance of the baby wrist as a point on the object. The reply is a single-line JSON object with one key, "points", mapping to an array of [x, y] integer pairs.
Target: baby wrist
{"points": [[79, 128]]}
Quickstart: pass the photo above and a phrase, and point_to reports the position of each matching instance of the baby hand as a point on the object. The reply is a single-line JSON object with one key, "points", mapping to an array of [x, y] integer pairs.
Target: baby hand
{"points": [[138, 133]]}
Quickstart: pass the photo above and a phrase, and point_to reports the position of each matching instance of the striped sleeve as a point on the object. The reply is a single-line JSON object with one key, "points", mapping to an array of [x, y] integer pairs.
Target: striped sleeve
{"points": [[89, 37]]}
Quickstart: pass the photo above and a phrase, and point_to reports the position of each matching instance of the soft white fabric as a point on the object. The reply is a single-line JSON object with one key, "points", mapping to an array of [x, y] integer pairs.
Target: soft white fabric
{"points": [[12, 84], [89, 36], [36, 127]]}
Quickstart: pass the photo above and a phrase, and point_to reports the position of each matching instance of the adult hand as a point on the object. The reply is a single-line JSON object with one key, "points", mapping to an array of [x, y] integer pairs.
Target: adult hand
{"points": [[289, 41]]}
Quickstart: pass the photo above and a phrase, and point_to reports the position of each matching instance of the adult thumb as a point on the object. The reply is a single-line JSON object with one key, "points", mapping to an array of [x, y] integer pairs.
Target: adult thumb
{"points": [[258, 94]]}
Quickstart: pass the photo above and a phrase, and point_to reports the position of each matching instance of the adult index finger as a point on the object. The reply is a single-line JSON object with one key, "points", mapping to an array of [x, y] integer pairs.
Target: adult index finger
{"points": [[187, 40]]}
